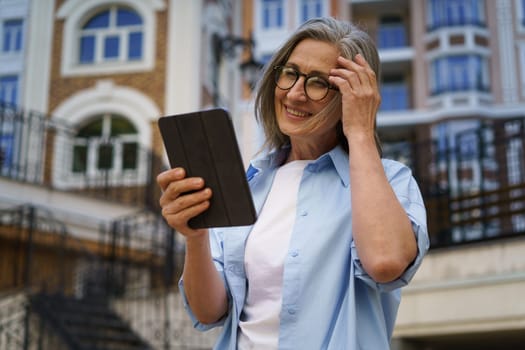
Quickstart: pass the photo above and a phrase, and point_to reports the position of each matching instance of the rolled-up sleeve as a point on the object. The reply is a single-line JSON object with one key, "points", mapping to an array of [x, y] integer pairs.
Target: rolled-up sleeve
{"points": [[409, 195]]}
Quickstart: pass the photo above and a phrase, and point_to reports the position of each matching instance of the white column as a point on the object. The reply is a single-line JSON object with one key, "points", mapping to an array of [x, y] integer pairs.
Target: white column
{"points": [[183, 90], [38, 55], [508, 67]]}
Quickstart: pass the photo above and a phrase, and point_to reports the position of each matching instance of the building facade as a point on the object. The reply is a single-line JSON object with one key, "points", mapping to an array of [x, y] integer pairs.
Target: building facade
{"points": [[82, 84]]}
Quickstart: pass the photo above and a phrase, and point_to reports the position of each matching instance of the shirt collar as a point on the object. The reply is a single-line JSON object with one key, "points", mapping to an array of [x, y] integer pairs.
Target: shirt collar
{"points": [[337, 158]]}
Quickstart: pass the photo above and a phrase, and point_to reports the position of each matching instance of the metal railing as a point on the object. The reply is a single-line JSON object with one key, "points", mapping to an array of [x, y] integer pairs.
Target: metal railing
{"points": [[39, 150], [471, 184], [474, 184], [135, 257]]}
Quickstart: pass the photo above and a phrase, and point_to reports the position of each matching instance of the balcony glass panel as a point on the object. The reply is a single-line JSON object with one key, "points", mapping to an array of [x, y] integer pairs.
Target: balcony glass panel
{"points": [[453, 13], [394, 96], [459, 73], [391, 36]]}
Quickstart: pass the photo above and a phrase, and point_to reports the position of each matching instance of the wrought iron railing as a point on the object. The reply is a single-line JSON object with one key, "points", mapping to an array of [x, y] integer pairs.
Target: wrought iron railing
{"points": [[474, 184], [471, 184], [134, 257], [37, 149]]}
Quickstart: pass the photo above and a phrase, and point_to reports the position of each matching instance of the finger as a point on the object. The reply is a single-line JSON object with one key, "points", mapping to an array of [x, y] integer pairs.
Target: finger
{"points": [[168, 176], [188, 200], [180, 211], [179, 219], [359, 66], [179, 187], [349, 73], [365, 70]]}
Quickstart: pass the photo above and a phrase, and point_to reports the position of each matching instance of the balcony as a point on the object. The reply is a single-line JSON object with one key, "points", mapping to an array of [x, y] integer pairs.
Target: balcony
{"points": [[37, 152], [474, 189], [440, 23]]}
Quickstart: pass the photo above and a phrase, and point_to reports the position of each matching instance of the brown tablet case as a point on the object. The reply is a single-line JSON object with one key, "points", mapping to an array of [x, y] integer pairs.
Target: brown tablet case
{"points": [[204, 144]]}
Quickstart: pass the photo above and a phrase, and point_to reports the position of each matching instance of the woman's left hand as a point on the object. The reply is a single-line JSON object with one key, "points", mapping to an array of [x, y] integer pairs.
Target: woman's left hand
{"points": [[360, 95]]}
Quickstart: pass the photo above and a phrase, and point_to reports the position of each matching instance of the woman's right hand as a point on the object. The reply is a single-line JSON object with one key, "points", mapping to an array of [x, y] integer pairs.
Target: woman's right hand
{"points": [[182, 199]]}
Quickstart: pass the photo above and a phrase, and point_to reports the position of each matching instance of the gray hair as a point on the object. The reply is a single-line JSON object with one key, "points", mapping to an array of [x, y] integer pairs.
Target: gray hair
{"points": [[349, 39]]}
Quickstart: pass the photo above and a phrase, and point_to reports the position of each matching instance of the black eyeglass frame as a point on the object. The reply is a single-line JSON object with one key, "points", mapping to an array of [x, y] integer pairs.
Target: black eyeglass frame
{"points": [[278, 70]]}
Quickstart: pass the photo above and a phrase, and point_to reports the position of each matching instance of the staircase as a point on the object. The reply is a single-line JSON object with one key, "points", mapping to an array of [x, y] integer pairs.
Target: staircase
{"points": [[85, 324]]}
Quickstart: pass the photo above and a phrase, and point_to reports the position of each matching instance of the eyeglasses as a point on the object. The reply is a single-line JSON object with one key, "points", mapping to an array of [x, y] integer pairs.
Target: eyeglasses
{"points": [[316, 87]]}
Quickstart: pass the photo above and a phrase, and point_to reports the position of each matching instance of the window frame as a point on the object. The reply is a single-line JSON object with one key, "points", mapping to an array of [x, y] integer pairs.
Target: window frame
{"points": [[94, 144], [15, 35], [442, 83], [10, 87], [392, 29], [101, 36], [105, 97], [438, 15], [309, 3], [395, 86], [270, 7], [75, 12]]}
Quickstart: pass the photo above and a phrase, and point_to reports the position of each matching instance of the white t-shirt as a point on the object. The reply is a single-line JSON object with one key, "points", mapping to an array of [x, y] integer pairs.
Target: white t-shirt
{"points": [[265, 252]]}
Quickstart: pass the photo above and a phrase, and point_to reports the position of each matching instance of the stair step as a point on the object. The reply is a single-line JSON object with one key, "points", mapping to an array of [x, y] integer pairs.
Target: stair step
{"points": [[89, 323]]}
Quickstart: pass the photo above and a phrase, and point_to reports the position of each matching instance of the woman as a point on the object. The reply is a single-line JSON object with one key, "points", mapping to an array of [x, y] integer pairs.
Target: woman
{"points": [[339, 229]]}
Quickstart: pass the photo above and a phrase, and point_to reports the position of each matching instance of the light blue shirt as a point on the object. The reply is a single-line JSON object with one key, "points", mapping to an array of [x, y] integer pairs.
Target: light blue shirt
{"points": [[329, 301]]}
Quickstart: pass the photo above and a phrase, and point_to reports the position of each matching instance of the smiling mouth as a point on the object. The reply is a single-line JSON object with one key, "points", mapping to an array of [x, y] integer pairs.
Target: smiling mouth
{"points": [[296, 113]]}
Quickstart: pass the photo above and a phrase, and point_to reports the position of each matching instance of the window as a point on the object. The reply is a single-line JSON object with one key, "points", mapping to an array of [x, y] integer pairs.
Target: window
{"points": [[459, 73], [12, 36], [391, 33], [107, 144], [9, 89], [449, 13], [310, 9], [273, 14], [394, 94], [115, 34], [521, 13]]}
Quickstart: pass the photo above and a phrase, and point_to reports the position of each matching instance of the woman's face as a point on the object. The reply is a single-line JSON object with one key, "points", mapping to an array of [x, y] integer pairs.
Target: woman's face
{"points": [[294, 109]]}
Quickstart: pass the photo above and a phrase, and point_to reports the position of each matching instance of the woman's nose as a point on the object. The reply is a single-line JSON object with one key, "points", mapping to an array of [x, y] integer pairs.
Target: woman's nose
{"points": [[297, 90]]}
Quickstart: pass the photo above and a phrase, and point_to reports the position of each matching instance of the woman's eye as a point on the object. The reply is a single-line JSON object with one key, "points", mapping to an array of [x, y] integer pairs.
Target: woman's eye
{"points": [[317, 82], [288, 72]]}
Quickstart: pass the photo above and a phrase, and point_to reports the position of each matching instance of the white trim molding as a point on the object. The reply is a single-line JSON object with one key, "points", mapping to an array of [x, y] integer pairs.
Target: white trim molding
{"points": [[521, 65]]}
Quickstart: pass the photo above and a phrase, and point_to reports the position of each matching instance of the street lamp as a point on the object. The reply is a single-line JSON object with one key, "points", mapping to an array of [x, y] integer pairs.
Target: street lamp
{"points": [[225, 46]]}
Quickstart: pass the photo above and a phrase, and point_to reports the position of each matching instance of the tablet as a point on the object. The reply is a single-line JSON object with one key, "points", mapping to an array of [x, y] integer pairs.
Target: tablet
{"points": [[204, 144]]}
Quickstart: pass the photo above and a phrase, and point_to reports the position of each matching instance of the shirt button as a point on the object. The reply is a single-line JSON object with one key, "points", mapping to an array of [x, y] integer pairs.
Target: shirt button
{"points": [[294, 254], [313, 167], [291, 311], [304, 213]]}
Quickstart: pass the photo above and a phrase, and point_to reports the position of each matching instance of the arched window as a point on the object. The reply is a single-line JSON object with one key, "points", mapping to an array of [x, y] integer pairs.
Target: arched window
{"points": [[114, 34], [106, 144]]}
